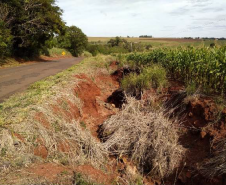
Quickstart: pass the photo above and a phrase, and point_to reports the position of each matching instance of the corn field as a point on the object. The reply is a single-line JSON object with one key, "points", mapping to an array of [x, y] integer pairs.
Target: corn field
{"points": [[204, 67]]}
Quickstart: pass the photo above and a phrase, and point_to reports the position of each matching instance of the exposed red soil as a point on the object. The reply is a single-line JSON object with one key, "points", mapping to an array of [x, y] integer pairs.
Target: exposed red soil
{"points": [[93, 93], [63, 146], [41, 151], [201, 125], [95, 174], [198, 129], [18, 136], [70, 112], [95, 109], [87, 91], [197, 136], [198, 132], [49, 171], [40, 117]]}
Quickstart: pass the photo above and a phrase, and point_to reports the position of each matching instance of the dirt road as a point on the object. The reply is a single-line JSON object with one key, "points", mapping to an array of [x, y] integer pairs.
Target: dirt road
{"points": [[17, 79]]}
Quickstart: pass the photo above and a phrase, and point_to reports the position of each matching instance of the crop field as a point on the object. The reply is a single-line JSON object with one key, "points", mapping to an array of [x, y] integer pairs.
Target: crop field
{"points": [[205, 67], [162, 42]]}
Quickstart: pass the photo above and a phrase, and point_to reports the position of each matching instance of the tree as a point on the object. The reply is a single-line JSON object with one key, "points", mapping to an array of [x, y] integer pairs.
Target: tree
{"points": [[5, 36], [73, 40], [32, 23], [117, 41], [5, 40]]}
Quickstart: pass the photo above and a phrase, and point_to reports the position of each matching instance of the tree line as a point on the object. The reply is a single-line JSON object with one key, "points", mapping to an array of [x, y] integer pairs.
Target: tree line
{"points": [[30, 27]]}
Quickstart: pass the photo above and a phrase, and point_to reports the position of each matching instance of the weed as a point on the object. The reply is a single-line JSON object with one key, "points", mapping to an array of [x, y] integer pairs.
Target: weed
{"points": [[57, 126], [83, 125], [3, 152], [80, 180], [64, 161], [65, 172], [191, 89], [151, 77]]}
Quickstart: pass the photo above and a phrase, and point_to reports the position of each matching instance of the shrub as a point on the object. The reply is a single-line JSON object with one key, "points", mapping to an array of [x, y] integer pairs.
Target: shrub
{"points": [[146, 136], [117, 41], [86, 54]]}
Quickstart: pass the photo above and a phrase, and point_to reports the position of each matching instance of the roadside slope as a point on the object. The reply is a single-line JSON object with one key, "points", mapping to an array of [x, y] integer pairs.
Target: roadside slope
{"points": [[48, 132], [17, 79]]}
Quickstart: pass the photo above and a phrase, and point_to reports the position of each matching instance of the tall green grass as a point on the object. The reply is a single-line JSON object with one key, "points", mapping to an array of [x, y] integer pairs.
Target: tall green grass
{"points": [[150, 77]]}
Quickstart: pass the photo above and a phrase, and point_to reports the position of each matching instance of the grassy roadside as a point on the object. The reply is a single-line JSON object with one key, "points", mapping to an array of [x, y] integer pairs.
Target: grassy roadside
{"points": [[50, 54], [17, 107], [23, 116]]}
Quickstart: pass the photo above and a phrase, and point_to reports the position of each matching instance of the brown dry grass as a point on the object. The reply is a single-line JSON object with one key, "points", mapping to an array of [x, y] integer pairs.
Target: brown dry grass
{"points": [[150, 139], [216, 166]]}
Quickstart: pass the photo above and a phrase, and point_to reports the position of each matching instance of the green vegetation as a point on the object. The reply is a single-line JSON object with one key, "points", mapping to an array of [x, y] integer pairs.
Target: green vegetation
{"points": [[81, 180], [5, 40], [205, 67], [31, 28], [115, 45], [22, 114], [31, 24], [155, 43], [16, 108], [54, 52], [153, 76], [74, 40]]}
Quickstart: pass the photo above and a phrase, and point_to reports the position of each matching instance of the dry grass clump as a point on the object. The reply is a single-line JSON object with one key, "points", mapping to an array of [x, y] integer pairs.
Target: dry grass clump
{"points": [[81, 145], [216, 166], [150, 139]]}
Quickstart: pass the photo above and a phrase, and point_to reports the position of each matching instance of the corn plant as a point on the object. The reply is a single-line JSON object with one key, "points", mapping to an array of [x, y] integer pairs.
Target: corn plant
{"points": [[206, 67]]}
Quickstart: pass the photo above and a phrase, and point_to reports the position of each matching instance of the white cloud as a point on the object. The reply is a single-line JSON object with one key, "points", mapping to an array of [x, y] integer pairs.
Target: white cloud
{"points": [[162, 18]]}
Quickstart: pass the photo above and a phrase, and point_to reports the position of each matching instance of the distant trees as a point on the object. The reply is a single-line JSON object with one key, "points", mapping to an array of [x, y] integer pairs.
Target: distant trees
{"points": [[145, 36], [117, 41], [116, 45]]}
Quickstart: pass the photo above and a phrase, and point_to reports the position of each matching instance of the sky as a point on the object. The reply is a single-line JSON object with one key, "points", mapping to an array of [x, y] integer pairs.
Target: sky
{"points": [[159, 18]]}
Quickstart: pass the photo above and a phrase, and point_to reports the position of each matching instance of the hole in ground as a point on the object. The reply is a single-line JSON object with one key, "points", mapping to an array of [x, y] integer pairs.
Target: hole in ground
{"points": [[117, 98]]}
